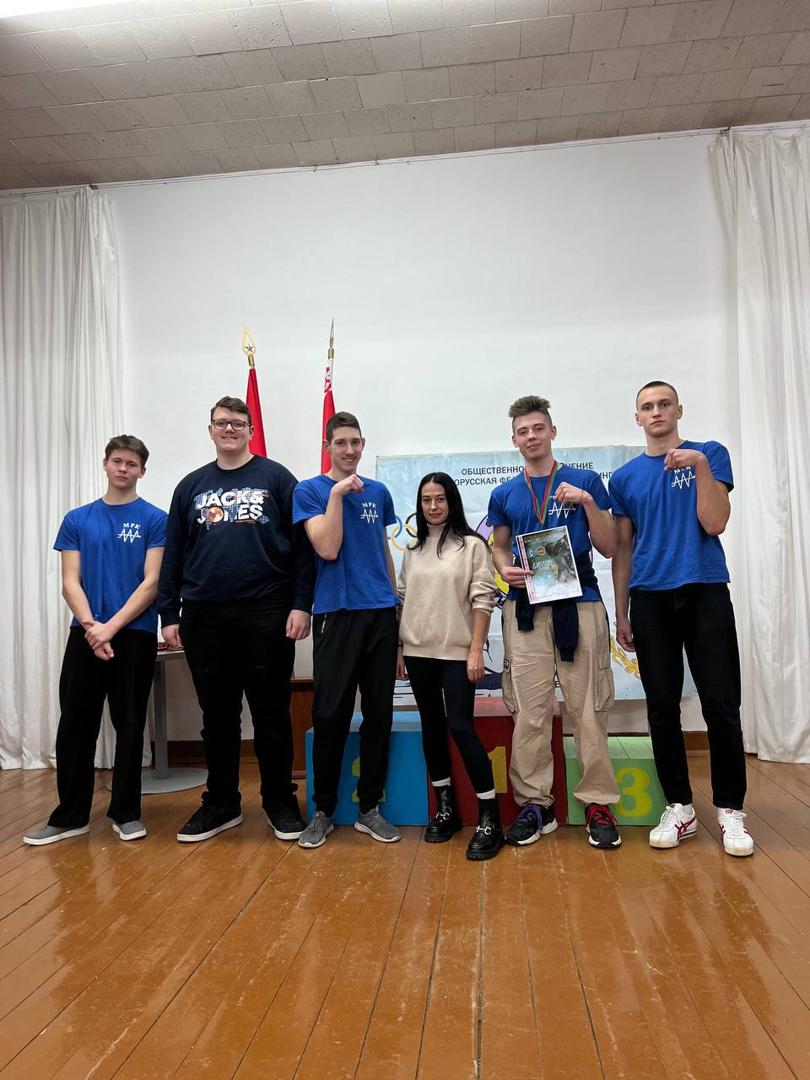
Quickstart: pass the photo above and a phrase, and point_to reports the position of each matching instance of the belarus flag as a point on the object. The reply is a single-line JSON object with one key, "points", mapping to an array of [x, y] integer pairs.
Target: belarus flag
{"points": [[257, 444], [328, 400]]}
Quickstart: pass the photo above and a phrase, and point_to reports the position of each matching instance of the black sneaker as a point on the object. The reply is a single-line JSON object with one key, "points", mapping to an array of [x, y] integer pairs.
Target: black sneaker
{"points": [[285, 819], [532, 822], [601, 826], [207, 822]]}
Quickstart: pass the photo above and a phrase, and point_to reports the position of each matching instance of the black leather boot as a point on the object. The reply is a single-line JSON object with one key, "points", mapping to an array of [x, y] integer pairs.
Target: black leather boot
{"points": [[488, 839], [445, 821]]}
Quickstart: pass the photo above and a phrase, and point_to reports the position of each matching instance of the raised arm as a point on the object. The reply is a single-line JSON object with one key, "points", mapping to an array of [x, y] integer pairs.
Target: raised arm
{"points": [[325, 531], [713, 503], [601, 525], [621, 567]]}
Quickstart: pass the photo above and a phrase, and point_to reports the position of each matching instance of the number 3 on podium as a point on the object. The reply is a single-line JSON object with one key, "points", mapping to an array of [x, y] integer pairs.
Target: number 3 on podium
{"points": [[633, 784]]}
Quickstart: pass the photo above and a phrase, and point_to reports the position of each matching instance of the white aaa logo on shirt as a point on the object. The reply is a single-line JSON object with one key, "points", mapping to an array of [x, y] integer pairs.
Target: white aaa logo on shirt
{"points": [[369, 512], [130, 531], [682, 478], [565, 508]]}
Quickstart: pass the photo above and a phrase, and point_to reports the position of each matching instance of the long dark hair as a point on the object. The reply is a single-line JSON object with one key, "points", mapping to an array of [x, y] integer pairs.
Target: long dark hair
{"points": [[456, 523]]}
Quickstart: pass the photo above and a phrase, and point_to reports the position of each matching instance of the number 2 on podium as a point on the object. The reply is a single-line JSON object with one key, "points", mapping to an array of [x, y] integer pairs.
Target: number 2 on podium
{"points": [[356, 772]]}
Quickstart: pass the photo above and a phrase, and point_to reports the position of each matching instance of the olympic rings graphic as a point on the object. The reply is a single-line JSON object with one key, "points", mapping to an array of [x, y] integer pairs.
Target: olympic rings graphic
{"points": [[408, 527]]}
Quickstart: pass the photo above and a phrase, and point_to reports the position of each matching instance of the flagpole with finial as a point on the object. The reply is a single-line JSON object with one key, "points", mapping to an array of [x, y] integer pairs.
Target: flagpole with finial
{"points": [[249, 346], [328, 399], [257, 443]]}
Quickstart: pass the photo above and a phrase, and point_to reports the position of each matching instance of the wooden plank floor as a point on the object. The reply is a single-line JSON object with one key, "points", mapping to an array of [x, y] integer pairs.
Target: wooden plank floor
{"points": [[247, 957]]}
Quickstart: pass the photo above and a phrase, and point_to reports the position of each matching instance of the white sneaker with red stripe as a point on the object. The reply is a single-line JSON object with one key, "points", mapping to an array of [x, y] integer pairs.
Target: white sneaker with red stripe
{"points": [[678, 822], [736, 838]]}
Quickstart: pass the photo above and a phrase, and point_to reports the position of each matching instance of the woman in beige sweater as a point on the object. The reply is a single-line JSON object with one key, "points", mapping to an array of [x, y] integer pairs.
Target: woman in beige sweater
{"points": [[447, 588]]}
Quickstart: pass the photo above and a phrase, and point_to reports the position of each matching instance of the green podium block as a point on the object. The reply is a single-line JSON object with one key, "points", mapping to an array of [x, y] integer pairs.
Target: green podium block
{"points": [[642, 801]]}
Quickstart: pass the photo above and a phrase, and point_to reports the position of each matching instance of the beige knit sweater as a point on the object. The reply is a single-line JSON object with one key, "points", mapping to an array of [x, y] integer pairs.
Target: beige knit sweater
{"points": [[439, 596]]}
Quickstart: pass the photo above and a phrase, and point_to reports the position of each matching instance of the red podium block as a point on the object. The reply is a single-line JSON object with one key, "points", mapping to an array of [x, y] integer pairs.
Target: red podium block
{"points": [[494, 725]]}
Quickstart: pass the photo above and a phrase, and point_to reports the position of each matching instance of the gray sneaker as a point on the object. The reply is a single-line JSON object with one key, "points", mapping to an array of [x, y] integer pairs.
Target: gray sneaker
{"points": [[49, 834], [315, 834], [130, 830], [377, 827]]}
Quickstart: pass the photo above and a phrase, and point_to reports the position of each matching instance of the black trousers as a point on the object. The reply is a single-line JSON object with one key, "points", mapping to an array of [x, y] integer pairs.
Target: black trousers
{"points": [[85, 682], [699, 619], [352, 649], [445, 698], [235, 650]]}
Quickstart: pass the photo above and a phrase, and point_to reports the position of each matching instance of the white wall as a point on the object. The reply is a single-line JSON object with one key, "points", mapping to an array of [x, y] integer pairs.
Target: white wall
{"points": [[576, 272]]}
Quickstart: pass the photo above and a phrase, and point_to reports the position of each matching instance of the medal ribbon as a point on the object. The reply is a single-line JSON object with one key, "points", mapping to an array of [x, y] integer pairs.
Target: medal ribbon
{"points": [[541, 510]]}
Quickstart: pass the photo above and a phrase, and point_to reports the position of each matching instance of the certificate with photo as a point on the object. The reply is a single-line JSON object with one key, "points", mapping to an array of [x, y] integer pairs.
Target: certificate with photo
{"points": [[549, 556]]}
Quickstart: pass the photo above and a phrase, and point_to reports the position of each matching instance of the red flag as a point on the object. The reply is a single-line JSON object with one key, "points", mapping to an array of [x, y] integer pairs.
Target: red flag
{"points": [[257, 444], [328, 400]]}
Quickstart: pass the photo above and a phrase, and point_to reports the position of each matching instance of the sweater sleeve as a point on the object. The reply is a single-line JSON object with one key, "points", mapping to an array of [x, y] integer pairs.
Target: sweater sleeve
{"points": [[171, 570], [303, 556], [403, 575], [483, 589]]}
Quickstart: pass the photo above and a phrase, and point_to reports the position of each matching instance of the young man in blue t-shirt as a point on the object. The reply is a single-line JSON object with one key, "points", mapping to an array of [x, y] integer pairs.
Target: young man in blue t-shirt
{"points": [[235, 592], [111, 551], [672, 504], [354, 628], [568, 638]]}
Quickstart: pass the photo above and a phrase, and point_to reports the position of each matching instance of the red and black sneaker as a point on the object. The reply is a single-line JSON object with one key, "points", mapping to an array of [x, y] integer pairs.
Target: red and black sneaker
{"points": [[601, 826]]}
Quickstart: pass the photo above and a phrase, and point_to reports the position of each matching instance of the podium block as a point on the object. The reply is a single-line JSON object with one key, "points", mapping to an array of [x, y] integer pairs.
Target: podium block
{"points": [[642, 801], [494, 725], [404, 801]]}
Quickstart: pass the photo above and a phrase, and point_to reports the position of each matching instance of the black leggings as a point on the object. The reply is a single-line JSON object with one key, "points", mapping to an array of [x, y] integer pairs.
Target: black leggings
{"points": [[445, 697]]}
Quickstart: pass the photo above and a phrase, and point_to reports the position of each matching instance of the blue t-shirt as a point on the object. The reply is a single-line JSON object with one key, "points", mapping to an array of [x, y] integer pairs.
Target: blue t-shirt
{"points": [[671, 547], [512, 505], [112, 542], [358, 579]]}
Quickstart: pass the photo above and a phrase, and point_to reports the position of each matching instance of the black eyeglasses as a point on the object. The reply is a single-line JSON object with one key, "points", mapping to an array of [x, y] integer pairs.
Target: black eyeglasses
{"points": [[237, 425]]}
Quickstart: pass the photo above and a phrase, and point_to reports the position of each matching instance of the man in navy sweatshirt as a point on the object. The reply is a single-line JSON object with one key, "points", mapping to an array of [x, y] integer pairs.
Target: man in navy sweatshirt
{"points": [[236, 591]]}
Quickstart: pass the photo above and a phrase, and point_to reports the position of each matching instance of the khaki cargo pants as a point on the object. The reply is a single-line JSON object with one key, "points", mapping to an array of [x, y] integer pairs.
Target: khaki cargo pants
{"points": [[531, 661]]}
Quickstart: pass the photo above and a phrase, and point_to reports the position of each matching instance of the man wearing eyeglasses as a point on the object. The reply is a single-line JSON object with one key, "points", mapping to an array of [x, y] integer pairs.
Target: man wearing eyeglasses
{"points": [[236, 592]]}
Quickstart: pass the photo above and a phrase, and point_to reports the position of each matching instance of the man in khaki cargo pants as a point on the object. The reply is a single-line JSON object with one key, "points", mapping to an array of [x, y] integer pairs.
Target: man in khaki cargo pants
{"points": [[568, 638]]}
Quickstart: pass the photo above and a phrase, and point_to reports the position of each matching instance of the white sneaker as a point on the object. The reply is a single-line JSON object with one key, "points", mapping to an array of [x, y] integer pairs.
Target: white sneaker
{"points": [[736, 838], [678, 822]]}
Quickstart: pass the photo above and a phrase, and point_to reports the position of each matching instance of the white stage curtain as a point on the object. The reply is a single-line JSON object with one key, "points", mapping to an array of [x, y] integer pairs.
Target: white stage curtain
{"points": [[61, 379], [764, 184]]}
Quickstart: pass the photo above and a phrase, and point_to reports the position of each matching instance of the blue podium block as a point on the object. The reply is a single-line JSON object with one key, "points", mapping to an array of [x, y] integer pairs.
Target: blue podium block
{"points": [[404, 800]]}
